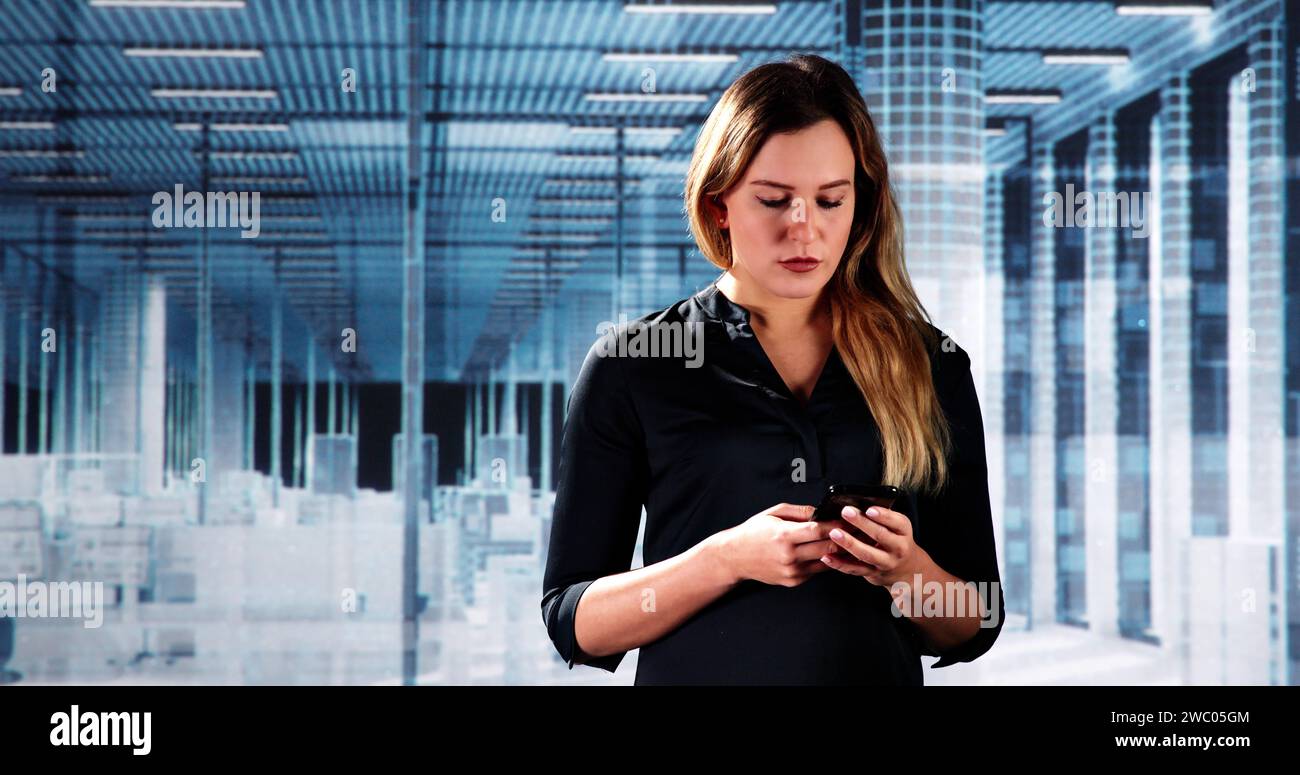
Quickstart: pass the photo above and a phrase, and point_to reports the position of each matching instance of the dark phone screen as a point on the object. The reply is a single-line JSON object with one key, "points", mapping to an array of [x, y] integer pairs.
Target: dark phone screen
{"points": [[833, 503]]}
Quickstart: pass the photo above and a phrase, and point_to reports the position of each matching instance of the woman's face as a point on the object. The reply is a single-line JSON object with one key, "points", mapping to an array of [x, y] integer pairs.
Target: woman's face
{"points": [[790, 215]]}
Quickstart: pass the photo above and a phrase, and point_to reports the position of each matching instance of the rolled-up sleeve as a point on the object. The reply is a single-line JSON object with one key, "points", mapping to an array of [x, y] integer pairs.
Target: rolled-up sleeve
{"points": [[956, 526], [600, 490]]}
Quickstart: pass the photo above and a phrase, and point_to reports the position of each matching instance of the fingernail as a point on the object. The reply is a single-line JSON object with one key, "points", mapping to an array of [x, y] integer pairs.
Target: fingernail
{"points": [[826, 559], [873, 512], [849, 511], [837, 533]]}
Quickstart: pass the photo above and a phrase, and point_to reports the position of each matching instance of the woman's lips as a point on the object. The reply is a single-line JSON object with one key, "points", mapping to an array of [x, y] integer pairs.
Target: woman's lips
{"points": [[800, 264]]}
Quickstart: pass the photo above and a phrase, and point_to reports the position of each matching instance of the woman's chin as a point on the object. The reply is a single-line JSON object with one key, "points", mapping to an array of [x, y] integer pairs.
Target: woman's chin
{"points": [[796, 285]]}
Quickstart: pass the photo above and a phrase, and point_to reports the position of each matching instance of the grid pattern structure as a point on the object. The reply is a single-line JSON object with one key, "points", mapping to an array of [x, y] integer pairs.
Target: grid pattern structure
{"points": [[925, 89], [1100, 406]]}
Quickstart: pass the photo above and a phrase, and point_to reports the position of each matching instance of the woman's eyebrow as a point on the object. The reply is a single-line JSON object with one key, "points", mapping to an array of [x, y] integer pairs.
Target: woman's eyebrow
{"points": [[788, 187]]}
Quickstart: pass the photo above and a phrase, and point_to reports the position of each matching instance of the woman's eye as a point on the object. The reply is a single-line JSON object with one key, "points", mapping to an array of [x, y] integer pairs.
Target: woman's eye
{"points": [[774, 203]]}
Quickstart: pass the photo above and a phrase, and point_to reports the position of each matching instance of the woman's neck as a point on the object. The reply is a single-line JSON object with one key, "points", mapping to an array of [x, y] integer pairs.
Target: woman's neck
{"points": [[775, 314]]}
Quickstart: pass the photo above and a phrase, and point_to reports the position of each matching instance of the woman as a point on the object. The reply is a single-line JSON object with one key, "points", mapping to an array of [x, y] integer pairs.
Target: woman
{"points": [[819, 366]]}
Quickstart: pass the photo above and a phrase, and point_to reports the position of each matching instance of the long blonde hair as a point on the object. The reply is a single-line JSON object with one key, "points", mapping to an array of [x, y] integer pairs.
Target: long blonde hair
{"points": [[879, 325]]}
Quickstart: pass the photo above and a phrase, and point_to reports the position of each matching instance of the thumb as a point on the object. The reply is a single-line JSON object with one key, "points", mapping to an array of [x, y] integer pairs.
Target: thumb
{"points": [[792, 512]]}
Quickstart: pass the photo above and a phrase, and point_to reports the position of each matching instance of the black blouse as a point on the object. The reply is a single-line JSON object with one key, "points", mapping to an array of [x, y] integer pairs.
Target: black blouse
{"points": [[703, 449]]}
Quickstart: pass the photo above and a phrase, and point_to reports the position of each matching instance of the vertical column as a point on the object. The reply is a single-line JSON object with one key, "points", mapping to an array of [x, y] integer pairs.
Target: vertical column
{"points": [[250, 406], [295, 474], [1289, 625], [174, 419], [311, 406], [852, 54], [341, 403], [1042, 548], [96, 396], [170, 418], [1240, 337], [548, 360], [178, 420], [345, 401], [43, 393], [1263, 337], [509, 410], [992, 399], [616, 294], [24, 347], [67, 340], [180, 443], [153, 385], [924, 86], [526, 439], [277, 399], [354, 428], [122, 376], [232, 401], [193, 419], [478, 427], [469, 434], [204, 419], [1266, 322], [1101, 445], [332, 426], [492, 428], [1018, 214], [85, 388], [79, 346], [413, 298], [1171, 336], [174, 380], [311, 389]]}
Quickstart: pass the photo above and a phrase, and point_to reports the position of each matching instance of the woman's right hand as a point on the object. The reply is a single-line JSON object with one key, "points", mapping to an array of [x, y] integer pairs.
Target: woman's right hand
{"points": [[781, 545]]}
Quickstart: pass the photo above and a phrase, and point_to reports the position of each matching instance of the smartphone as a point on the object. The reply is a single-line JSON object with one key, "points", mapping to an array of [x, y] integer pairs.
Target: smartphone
{"points": [[860, 496]]}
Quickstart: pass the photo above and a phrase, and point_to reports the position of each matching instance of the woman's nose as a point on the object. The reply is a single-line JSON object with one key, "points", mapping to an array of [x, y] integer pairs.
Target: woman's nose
{"points": [[801, 225]]}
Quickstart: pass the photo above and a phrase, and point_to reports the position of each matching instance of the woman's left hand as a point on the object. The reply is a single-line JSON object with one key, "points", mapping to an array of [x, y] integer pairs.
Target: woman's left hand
{"points": [[894, 555]]}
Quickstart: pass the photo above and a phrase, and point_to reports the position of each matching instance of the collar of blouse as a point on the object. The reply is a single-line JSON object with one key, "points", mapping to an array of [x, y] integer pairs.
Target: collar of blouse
{"points": [[715, 305]]}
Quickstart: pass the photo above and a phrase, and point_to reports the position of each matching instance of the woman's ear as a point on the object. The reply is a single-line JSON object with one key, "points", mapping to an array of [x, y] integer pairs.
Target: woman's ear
{"points": [[717, 210]]}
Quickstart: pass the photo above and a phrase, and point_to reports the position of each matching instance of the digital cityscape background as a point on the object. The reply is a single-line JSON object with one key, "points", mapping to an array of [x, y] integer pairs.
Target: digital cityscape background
{"points": [[454, 195]]}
